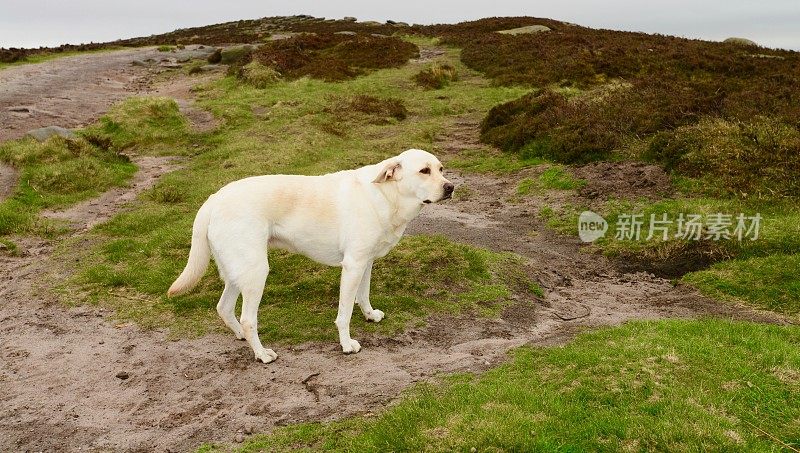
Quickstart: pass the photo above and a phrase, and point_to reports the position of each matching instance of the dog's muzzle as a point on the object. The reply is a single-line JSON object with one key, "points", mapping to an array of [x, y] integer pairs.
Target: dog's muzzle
{"points": [[448, 190]]}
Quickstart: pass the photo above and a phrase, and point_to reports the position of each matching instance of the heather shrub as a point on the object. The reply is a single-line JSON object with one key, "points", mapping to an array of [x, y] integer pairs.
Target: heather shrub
{"points": [[371, 109], [334, 57]]}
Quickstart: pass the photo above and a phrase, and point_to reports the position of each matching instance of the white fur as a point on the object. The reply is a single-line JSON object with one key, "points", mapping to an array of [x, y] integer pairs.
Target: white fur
{"points": [[346, 219]]}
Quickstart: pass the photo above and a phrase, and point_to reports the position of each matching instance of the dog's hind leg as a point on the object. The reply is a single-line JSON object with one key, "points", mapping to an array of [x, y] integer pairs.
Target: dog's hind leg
{"points": [[362, 297], [226, 308], [240, 249], [252, 286]]}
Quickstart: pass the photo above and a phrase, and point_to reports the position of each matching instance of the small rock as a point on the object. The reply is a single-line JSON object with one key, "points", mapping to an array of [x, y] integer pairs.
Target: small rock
{"points": [[239, 438], [43, 133], [349, 19], [346, 32], [19, 109], [138, 63], [525, 30], [740, 41], [171, 65], [248, 428], [123, 375]]}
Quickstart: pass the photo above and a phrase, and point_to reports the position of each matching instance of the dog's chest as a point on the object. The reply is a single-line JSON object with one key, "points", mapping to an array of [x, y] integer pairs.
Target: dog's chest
{"points": [[387, 242]]}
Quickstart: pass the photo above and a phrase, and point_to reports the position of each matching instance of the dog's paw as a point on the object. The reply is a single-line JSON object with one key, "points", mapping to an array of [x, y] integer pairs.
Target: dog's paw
{"points": [[266, 355], [375, 316], [351, 347]]}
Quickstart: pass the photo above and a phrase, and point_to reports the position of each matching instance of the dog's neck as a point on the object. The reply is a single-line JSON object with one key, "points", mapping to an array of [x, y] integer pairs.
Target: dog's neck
{"points": [[401, 210]]}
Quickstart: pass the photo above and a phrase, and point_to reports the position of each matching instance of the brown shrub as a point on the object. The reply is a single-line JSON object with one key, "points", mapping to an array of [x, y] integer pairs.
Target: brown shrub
{"points": [[334, 57], [674, 87], [370, 108], [436, 77]]}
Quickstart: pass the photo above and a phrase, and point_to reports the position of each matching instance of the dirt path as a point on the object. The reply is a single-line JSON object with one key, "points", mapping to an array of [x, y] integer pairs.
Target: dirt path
{"points": [[68, 91], [72, 378]]}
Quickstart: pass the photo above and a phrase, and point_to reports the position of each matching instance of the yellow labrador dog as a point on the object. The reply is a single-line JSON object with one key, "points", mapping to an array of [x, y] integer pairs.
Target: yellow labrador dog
{"points": [[346, 219]]}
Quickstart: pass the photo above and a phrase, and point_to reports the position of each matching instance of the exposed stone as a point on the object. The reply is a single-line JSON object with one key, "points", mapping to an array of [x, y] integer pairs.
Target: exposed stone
{"points": [[43, 133], [525, 30], [740, 41]]}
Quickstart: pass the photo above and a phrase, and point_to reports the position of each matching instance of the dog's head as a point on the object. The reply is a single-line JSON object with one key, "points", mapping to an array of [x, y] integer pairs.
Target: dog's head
{"points": [[418, 174]]}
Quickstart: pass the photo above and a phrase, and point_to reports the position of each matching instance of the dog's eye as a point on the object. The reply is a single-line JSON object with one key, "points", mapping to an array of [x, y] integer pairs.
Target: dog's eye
{"points": [[425, 171]]}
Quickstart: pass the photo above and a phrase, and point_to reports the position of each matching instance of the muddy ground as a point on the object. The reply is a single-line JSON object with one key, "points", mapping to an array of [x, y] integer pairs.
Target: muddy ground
{"points": [[73, 378]]}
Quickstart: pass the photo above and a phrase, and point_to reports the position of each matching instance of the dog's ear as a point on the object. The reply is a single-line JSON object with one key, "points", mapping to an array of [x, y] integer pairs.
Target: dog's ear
{"points": [[389, 173]]}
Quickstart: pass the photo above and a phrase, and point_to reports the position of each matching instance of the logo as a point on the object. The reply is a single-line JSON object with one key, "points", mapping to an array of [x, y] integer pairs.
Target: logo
{"points": [[591, 226]]}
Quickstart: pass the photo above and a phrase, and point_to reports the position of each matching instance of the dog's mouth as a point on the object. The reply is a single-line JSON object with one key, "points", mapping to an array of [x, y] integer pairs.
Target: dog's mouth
{"points": [[445, 197]]}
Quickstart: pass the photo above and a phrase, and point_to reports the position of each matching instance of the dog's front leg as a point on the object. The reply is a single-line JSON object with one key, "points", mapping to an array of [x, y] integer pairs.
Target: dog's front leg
{"points": [[352, 273], [362, 297]]}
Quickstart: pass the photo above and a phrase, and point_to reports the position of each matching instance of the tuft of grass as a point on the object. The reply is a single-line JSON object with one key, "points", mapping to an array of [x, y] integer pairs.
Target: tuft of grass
{"points": [[141, 122], [436, 77], [56, 173], [755, 159], [258, 75], [165, 48], [643, 386], [557, 178], [552, 178]]}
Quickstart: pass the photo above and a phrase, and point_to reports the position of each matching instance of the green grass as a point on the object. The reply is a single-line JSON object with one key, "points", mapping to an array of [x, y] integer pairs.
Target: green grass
{"points": [[553, 178], [56, 173], [484, 161], [142, 124], [769, 282], [645, 386]]}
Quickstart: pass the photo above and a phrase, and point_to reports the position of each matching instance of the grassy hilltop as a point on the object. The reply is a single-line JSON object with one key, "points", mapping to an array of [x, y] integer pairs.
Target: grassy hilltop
{"points": [[721, 119]]}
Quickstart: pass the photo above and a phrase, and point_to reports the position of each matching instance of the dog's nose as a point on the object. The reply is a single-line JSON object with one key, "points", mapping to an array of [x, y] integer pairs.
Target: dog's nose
{"points": [[448, 188]]}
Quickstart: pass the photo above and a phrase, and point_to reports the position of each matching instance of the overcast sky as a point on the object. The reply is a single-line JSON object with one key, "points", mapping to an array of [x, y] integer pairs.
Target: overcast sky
{"points": [[33, 23]]}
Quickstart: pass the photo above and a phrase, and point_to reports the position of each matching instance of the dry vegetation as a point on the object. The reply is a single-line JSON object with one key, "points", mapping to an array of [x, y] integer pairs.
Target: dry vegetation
{"points": [[334, 57], [676, 90], [436, 77]]}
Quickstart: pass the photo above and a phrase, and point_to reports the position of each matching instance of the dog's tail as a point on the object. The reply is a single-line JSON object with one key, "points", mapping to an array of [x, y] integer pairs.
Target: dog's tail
{"points": [[199, 254]]}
